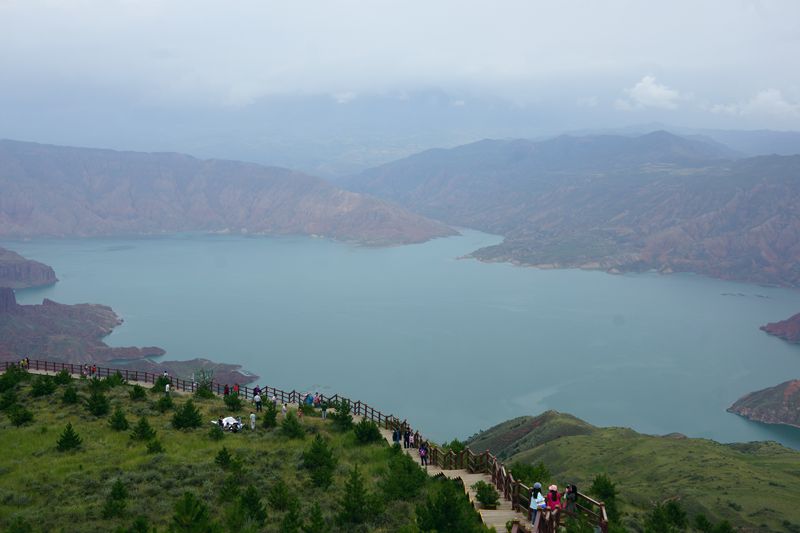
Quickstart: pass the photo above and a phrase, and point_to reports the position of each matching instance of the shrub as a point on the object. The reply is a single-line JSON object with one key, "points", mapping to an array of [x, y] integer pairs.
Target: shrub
{"points": [[486, 494], [142, 430], [291, 427], [455, 446], [116, 501], [115, 380], [69, 439], [367, 431], [403, 478], [606, 492], [320, 461], [19, 416], [270, 416], [97, 403], [160, 384], [12, 377], [203, 392], [205, 382], [233, 402], [342, 419], [63, 377], [154, 446], [530, 474], [137, 393], [216, 432], [8, 399], [251, 506], [19, 525], [229, 491], [118, 422], [191, 515], [70, 395], [187, 417], [98, 385], [308, 410], [278, 495], [291, 522], [226, 460], [164, 404], [42, 386], [447, 509], [316, 521]]}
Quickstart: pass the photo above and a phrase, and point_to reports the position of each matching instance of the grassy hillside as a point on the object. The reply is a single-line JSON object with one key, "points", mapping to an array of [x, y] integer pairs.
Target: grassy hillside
{"points": [[754, 485], [43, 489]]}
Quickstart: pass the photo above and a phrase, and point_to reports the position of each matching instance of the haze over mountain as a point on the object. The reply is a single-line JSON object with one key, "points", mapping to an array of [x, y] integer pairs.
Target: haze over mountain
{"points": [[61, 191], [656, 201]]}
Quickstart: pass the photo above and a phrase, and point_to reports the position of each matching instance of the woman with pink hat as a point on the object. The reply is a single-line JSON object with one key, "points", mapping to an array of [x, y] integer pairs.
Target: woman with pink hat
{"points": [[553, 498]]}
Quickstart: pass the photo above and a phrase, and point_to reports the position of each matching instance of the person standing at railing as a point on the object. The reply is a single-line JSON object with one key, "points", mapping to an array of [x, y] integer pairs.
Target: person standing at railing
{"points": [[257, 401], [423, 454], [553, 498], [538, 502], [406, 437], [570, 499]]}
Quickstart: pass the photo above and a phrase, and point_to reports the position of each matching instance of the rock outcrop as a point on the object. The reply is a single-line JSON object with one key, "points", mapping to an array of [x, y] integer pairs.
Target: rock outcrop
{"points": [[775, 405], [8, 301], [788, 330], [19, 273]]}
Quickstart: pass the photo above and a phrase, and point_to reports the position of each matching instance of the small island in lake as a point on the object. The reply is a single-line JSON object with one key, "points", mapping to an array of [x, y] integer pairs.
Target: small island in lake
{"points": [[776, 405]]}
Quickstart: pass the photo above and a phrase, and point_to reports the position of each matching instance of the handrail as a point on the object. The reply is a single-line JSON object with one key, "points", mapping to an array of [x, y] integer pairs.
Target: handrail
{"points": [[484, 462]]}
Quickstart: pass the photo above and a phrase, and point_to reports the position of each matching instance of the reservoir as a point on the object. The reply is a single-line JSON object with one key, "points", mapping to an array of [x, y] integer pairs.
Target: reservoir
{"points": [[453, 345]]}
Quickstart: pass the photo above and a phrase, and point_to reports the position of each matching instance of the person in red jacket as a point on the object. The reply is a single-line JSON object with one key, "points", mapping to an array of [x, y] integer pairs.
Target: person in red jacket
{"points": [[553, 498]]}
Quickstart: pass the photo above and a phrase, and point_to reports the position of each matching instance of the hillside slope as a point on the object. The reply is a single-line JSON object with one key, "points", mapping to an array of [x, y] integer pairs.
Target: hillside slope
{"points": [[774, 405], [754, 485], [657, 201], [61, 191]]}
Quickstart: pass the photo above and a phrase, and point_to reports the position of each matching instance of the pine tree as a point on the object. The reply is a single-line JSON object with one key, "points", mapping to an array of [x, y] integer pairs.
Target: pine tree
{"points": [[270, 416], [42, 386], [226, 460], [69, 439], [70, 395], [316, 521], [233, 402], [191, 515], [291, 523], [142, 430], [118, 422], [97, 404], [63, 377], [216, 432], [251, 506], [116, 501], [367, 431], [19, 416], [353, 502], [342, 419], [164, 404], [155, 446], [291, 426], [320, 461], [187, 417], [403, 478], [137, 393], [278, 496]]}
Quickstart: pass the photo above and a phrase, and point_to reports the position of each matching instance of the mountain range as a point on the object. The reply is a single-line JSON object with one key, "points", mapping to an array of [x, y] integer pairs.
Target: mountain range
{"points": [[61, 191], [620, 203]]}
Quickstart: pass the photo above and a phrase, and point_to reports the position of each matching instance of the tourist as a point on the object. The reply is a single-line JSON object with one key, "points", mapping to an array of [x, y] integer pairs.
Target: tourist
{"points": [[166, 389], [219, 422], [411, 440], [283, 409], [94, 371], [252, 421], [406, 437], [570, 499], [274, 400], [166, 375], [395, 436], [538, 502], [236, 389], [226, 391], [257, 391], [324, 406], [257, 401], [553, 498], [423, 454]]}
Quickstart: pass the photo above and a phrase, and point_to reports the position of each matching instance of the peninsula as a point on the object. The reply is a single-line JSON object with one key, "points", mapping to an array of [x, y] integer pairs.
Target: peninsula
{"points": [[18, 272], [74, 334], [774, 405], [788, 330]]}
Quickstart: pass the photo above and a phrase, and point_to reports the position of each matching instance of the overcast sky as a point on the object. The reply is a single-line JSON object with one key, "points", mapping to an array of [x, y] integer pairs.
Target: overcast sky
{"points": [[715, 63]]}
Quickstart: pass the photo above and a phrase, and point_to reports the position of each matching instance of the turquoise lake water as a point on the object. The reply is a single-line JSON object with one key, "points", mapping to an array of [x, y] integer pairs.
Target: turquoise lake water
{"points": [[453, 345]]}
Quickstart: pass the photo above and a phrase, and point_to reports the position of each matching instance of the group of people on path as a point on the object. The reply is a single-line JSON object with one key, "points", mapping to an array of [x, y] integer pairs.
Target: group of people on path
{"points": [[551, 500], [401, 432]]}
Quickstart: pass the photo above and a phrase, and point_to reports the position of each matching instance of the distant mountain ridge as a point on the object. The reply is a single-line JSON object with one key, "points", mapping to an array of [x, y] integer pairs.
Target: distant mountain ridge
{"points": [[62, 191], [619, 203]]}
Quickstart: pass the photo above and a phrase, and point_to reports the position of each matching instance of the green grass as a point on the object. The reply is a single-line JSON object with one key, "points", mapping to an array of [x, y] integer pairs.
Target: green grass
{"points": [[66, 491], [754, 485]]}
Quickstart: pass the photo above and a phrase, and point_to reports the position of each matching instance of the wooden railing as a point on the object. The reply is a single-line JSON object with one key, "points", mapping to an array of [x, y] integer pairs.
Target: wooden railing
{"points": [[511, 489], [514, 490]]}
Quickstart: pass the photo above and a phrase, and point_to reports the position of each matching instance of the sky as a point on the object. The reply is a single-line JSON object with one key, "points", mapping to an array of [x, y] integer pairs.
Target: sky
{"points": [[201, 75]]}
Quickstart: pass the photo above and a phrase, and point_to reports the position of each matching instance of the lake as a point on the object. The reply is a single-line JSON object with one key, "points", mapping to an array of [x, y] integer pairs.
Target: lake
{"points": [[453, 345]]}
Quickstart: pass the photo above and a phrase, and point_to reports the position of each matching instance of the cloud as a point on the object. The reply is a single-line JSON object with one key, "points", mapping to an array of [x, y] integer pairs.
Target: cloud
{"points": [[587, 101], [648, 93], [766, 103], [344, 97]]}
